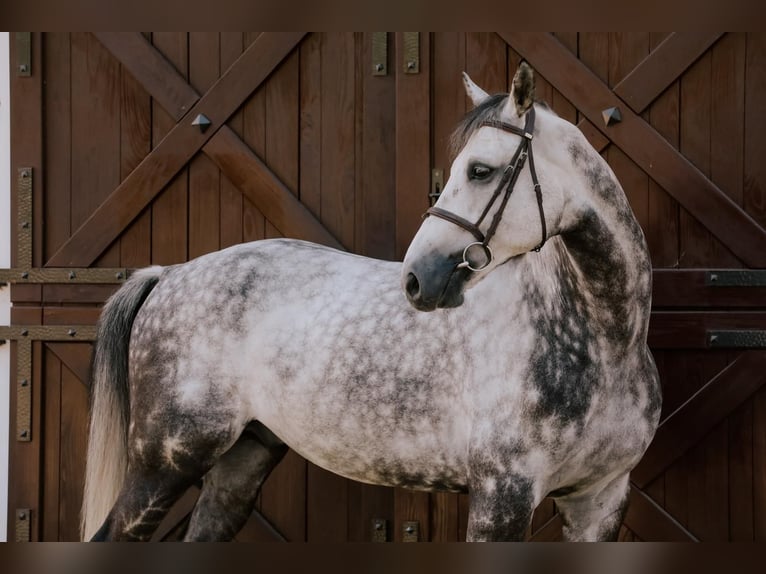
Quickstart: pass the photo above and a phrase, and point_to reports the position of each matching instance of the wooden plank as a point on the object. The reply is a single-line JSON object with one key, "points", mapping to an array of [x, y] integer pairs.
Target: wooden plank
{"points": [[27, 142], [376, 207], [51, 451], [741, 474], [74, 418], [727, 114], [365, 503], [708, 488], [232, 44], [626, 51], [755, 116], [204, 177], [311, 123], [156, 74], [485, 62], [700, 413], [249, 174], [410, 505], [327, 506], [718, 213], [413, 145], [170, 210], [651, 522], [58, 138], [125, 202], [135, 144], [689, 330], [21, 293], [759, 466], [337, 163], [283, 497], [698, 248], [95, 131], [24, 486], [662, 233], [450, 101], [74, 356], [254, 135], [80, 293], [444, 517], [24, 483], [550, 531], [689, 288], [463, 510], [662, 66]]}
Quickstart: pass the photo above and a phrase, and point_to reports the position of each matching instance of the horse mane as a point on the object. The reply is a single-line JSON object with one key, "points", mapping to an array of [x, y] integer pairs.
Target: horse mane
{"points": [[488, 110]]}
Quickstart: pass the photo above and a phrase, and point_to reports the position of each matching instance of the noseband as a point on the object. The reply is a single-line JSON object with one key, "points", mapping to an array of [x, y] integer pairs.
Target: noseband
{"points": [[507, 182]]}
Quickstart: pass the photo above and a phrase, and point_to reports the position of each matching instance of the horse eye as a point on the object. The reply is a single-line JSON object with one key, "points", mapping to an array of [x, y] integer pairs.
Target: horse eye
{"points": [[479, 171]]}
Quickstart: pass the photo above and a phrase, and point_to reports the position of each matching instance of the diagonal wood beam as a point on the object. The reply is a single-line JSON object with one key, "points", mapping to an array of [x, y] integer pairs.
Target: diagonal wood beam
{"points": [[76, 357], [663, 67], [690, 422], [647, 148], [232, 156], [155, 73], [651, 522], [259, 184], [126, 202]]}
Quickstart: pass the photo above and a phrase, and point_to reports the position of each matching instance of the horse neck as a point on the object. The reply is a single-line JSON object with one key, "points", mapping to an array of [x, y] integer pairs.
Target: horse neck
{"points": [[600, 271]]}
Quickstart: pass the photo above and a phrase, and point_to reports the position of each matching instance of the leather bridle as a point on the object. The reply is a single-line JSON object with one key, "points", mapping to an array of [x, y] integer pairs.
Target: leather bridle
{"points": [[507, 182]]}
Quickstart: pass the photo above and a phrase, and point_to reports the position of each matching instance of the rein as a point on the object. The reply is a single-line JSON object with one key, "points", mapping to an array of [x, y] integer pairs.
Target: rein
{"points": [[507, 182]]}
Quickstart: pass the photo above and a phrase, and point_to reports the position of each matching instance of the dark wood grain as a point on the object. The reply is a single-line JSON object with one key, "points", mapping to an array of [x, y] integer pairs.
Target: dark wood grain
{"points": [[413, 144], [130, 197], [58, 141], [158, 76], [662, 66], [652, 523], [701, 412]]}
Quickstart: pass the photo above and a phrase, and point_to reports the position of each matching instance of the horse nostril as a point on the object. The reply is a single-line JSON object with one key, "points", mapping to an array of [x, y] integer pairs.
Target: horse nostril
{"points": [[412, 286]]}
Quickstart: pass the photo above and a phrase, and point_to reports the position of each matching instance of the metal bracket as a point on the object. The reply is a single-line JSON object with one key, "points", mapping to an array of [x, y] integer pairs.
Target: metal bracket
{"points": [[736, 278], [23, 53], [24, 335], [437, 184], [737, 339], [410, 531], [411, 43], [23, 272], [379, 53], [23, 524], [379, 530]]}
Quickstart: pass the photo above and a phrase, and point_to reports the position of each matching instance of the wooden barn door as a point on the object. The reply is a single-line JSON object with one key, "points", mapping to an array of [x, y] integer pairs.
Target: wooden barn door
{"points": [[689, 151], [138, 149], [142, 149]]}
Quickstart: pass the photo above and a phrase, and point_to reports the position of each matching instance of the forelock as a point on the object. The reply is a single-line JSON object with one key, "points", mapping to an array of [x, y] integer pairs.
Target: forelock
{"points": [[489, 109]]}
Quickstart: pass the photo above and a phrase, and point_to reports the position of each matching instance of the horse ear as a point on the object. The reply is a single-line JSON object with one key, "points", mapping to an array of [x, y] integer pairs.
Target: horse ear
{"points": [[474, 92], [522, 90]]}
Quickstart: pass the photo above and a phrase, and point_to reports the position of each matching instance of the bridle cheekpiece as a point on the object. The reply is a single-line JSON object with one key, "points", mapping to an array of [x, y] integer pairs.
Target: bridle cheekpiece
{"points": [[507, 183]]}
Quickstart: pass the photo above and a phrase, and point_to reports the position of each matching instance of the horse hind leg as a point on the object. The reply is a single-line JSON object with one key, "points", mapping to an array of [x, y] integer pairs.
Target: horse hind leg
{"points": [[161, 467], [231, 487], [595, 514]]}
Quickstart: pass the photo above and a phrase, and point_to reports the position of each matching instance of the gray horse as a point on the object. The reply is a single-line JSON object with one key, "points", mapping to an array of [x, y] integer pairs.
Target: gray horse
{"points": [[505, 357]]}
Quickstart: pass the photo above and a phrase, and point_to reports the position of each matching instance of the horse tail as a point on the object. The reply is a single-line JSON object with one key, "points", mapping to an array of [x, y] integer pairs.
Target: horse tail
{"points": [[106, 463]]}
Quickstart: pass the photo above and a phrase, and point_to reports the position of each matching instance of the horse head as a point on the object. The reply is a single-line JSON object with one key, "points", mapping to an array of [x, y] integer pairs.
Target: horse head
{"points": [[507, 193]]}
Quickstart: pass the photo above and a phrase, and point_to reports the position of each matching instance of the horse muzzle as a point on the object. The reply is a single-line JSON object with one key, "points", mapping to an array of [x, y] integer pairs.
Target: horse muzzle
{"points": [[432, 284]]}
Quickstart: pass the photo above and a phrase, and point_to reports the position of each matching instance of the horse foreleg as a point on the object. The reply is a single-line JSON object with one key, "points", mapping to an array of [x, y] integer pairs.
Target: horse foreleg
{"points": [[595, 514], [500, 509], [231, 486]]}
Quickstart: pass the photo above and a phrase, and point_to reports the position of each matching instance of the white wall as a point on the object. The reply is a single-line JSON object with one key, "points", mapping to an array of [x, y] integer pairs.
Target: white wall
{"points": [[5, 262]]}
